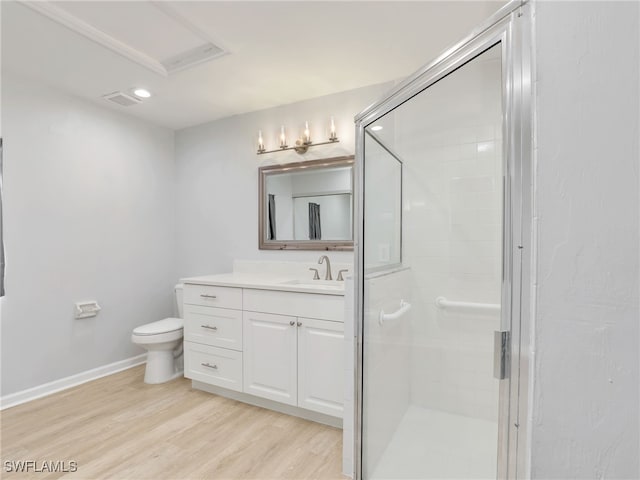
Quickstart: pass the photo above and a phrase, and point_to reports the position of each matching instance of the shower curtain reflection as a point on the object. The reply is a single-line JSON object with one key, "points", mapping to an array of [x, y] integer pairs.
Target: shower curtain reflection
{"points": [[272, 217], [315, 230]]}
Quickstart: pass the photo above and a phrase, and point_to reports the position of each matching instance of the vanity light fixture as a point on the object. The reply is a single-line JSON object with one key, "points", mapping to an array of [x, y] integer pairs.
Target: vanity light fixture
{"points": [[302, 144]]}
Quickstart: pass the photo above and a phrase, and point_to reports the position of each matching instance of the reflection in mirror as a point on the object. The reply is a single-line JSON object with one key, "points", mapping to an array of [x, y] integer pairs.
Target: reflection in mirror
{"points": [[307, 205]]}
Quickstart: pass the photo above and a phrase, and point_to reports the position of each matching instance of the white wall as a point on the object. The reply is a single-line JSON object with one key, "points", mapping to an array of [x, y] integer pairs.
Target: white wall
{"points": [[217, 177], [89, 214], [585, 399]]}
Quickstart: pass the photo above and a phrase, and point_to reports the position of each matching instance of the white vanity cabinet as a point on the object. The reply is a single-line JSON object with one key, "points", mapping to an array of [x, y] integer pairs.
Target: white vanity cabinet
{"points": [[286, 347]]}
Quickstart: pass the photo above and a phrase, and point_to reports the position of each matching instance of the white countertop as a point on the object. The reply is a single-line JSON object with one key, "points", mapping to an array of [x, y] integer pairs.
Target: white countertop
{"points": [[269, 282]]}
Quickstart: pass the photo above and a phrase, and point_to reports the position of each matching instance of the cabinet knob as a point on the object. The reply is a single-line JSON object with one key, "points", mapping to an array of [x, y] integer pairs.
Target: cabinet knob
{"points": [[292, 323], [299, 324]]}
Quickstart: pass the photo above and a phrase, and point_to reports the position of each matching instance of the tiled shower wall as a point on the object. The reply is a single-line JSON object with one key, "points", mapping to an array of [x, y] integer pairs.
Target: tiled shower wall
{"points": [[452, 236], [452, 241]]}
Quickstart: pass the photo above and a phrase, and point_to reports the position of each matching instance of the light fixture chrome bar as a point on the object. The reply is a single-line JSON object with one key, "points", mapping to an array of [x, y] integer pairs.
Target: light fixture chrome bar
{"points": [[299, 148]]}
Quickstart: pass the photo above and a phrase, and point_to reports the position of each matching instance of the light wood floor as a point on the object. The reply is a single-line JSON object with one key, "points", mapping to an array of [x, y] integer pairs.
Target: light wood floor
{"points": [[117, 427]]}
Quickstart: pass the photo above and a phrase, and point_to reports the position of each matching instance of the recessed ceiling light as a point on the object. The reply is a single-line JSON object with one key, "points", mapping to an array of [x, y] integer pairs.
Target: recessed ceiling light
{"points": [[376, 128], [142, 93]]}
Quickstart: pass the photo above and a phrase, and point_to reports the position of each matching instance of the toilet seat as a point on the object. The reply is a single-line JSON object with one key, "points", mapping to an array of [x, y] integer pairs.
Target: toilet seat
{"points": [[166, 325], [165, 330]]}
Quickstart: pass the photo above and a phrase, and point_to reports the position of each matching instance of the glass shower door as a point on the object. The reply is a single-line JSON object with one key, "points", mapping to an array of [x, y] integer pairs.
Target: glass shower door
{"points": [[433, 284]]}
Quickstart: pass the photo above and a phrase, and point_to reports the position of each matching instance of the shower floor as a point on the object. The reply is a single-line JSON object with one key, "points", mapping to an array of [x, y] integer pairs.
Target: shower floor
{"points": [[430, 444]]}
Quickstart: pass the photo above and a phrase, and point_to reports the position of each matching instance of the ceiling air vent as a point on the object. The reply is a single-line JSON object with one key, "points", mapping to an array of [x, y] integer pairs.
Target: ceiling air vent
{"points": [[192, 57], [122, 99]]}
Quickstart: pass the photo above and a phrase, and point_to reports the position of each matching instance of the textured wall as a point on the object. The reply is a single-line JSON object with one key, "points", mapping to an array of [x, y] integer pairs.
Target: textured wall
{"points": [[585, 405]]}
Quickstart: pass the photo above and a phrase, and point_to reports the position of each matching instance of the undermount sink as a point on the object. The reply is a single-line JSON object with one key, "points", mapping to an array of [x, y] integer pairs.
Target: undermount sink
{"points": [[316, 283]]}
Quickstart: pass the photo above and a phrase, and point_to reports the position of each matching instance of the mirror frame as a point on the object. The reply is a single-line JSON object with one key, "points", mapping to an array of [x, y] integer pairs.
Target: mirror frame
{"points": [[264, 172]]}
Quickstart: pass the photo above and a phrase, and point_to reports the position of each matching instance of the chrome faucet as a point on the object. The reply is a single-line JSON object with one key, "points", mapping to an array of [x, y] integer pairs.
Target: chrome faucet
{"points": [[327, 275]]}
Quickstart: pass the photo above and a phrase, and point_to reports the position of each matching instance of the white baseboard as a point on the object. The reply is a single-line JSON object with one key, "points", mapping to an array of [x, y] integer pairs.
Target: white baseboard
{"points": [[33, 393]]}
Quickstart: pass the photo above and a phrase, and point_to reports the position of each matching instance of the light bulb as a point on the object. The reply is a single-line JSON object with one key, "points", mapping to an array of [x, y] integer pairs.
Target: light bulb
{"points": [[307, 135], [260, 141], [283, 138]]}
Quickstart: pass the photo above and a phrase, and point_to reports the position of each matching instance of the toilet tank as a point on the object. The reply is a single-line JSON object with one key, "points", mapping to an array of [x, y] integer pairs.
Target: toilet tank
{"points": [[178, 289]]}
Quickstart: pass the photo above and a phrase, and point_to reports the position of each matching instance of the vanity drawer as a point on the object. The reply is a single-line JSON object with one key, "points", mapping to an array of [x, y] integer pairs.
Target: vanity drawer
{"points": [[311, 305], [213, 296], [213, 365], [218, 327]]}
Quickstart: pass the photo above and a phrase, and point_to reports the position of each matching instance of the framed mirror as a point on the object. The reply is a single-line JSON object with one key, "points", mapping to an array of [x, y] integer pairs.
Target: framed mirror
{"points": [[306, 205]]}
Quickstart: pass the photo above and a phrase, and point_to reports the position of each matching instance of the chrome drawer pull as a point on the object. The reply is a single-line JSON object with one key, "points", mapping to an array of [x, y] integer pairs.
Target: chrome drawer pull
{"points": [[208, 365], [209, 327], [204, 295]]}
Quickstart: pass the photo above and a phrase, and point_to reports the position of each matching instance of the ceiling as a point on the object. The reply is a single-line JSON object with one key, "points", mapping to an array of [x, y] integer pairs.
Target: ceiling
{"points": [[244, 55]]}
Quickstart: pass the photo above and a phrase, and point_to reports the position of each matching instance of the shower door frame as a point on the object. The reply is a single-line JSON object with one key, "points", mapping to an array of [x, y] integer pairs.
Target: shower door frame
{"points": [[511, 28]]}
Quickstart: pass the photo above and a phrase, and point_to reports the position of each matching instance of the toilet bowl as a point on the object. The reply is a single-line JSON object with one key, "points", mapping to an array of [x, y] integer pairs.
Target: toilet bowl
{"points": [[163, 341]]}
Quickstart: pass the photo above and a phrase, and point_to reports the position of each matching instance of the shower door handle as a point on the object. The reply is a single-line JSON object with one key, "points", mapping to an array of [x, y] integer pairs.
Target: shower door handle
{"points": [[500, 354]]}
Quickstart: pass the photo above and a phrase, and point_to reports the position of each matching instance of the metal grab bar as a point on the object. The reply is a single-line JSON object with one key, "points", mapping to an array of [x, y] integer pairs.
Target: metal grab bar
{"points": [[444, 304], [404, 308]]}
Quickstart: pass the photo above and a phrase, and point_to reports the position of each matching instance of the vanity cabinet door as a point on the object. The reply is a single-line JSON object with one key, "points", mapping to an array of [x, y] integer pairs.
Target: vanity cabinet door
{"points": [[270, 354], [321, 366]]}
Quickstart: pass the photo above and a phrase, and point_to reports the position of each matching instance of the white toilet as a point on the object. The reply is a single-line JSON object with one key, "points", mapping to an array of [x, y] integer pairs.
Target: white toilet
{"points": [[163, 342]]}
